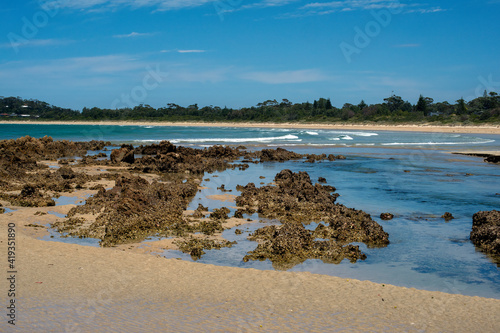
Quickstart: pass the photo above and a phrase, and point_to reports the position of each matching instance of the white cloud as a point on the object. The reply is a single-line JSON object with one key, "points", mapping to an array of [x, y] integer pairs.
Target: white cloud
{"points": [[356, 4], [110, 4], [297, 76], [324, 8], [190, 51], [134, 34], [183, 51]]}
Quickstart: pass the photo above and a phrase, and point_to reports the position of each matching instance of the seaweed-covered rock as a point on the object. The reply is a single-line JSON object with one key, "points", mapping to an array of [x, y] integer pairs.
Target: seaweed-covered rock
{"points": [[291, 243], [278, 154], [30, 196], [350, 225], [293, 198], [294, 201], [220, 214], [447, 216], [485, 232], [386, 216], [135, 209], [196, 246]]}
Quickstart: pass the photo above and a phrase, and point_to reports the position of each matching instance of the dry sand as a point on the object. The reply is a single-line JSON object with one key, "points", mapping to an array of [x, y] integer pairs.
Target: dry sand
{"points": [[71, 288], [484, 129]]}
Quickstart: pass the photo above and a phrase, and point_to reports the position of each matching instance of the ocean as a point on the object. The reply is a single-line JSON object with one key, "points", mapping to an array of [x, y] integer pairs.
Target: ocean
{"points": [[412, 175]]}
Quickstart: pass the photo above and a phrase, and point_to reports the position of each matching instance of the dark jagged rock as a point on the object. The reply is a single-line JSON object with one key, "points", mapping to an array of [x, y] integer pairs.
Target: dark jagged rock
{"points": [[447, 216], [196, 246], [294, 200], [164, 147], [66, 173], [350, 225], [220, 214], [278, 154], [321, 180], [485, 232], [290, 244], [134, 209], [238, 214], [124, 154], [30, 196], [386, 216], [492, 159]]}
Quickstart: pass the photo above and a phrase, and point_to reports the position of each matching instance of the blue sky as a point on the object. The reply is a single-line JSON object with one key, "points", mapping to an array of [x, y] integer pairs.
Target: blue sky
{"points": [[236, 53]]}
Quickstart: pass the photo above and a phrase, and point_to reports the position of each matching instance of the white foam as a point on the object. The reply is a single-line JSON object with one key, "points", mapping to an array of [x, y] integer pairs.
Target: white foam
{"points": [[312, 133], [434, 143], [288, 137], [355, 133], [346, 137]]}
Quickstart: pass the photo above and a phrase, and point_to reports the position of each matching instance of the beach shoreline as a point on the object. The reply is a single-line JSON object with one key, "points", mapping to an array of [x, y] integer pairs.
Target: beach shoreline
{"points": [[483, 129]]}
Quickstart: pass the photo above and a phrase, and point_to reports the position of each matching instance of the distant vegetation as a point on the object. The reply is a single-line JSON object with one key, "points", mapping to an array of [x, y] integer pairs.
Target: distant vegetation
{"points": [[393, 110]]}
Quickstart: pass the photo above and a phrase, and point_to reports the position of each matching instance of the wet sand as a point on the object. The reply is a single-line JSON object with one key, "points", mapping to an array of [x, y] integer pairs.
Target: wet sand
{"points": [[481, 129], [74, 288]]}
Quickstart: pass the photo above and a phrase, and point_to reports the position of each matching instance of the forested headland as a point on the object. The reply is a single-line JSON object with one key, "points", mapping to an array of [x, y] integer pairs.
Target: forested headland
{"points": [[484, 109]]}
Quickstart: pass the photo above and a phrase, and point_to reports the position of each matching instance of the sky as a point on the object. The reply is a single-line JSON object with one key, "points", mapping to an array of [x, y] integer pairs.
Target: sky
{"points": [[238, 53]]}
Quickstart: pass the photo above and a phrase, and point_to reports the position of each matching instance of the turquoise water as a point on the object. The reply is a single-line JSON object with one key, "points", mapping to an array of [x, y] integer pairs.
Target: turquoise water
{"points": [[200, 136], [412, 175]]}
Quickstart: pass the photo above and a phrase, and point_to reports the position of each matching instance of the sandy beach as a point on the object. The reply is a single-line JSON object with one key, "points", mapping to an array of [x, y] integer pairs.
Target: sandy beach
{"points": [[72, 288], [483, 129]]}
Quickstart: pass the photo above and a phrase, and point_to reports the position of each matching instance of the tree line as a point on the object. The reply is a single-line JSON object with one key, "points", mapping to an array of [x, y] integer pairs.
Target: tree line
{"points": [[394, 109]]}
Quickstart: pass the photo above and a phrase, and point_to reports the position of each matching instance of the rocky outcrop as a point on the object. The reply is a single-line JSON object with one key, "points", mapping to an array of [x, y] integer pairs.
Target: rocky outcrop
{"points": [[447, 216], [293, 198], [134, 209], [124, 154], [30, 196], [386, 216], [291, 243], [485, 232], [278, 155], [295, 202]]}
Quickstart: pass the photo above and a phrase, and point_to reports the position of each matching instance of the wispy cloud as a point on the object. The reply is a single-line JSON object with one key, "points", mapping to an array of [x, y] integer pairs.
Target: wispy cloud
{"points": [[259, 5], [190, 51], [16, 43], [330, 7], [183, 51], [282, 77], [134, 34], [113, 4]]}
